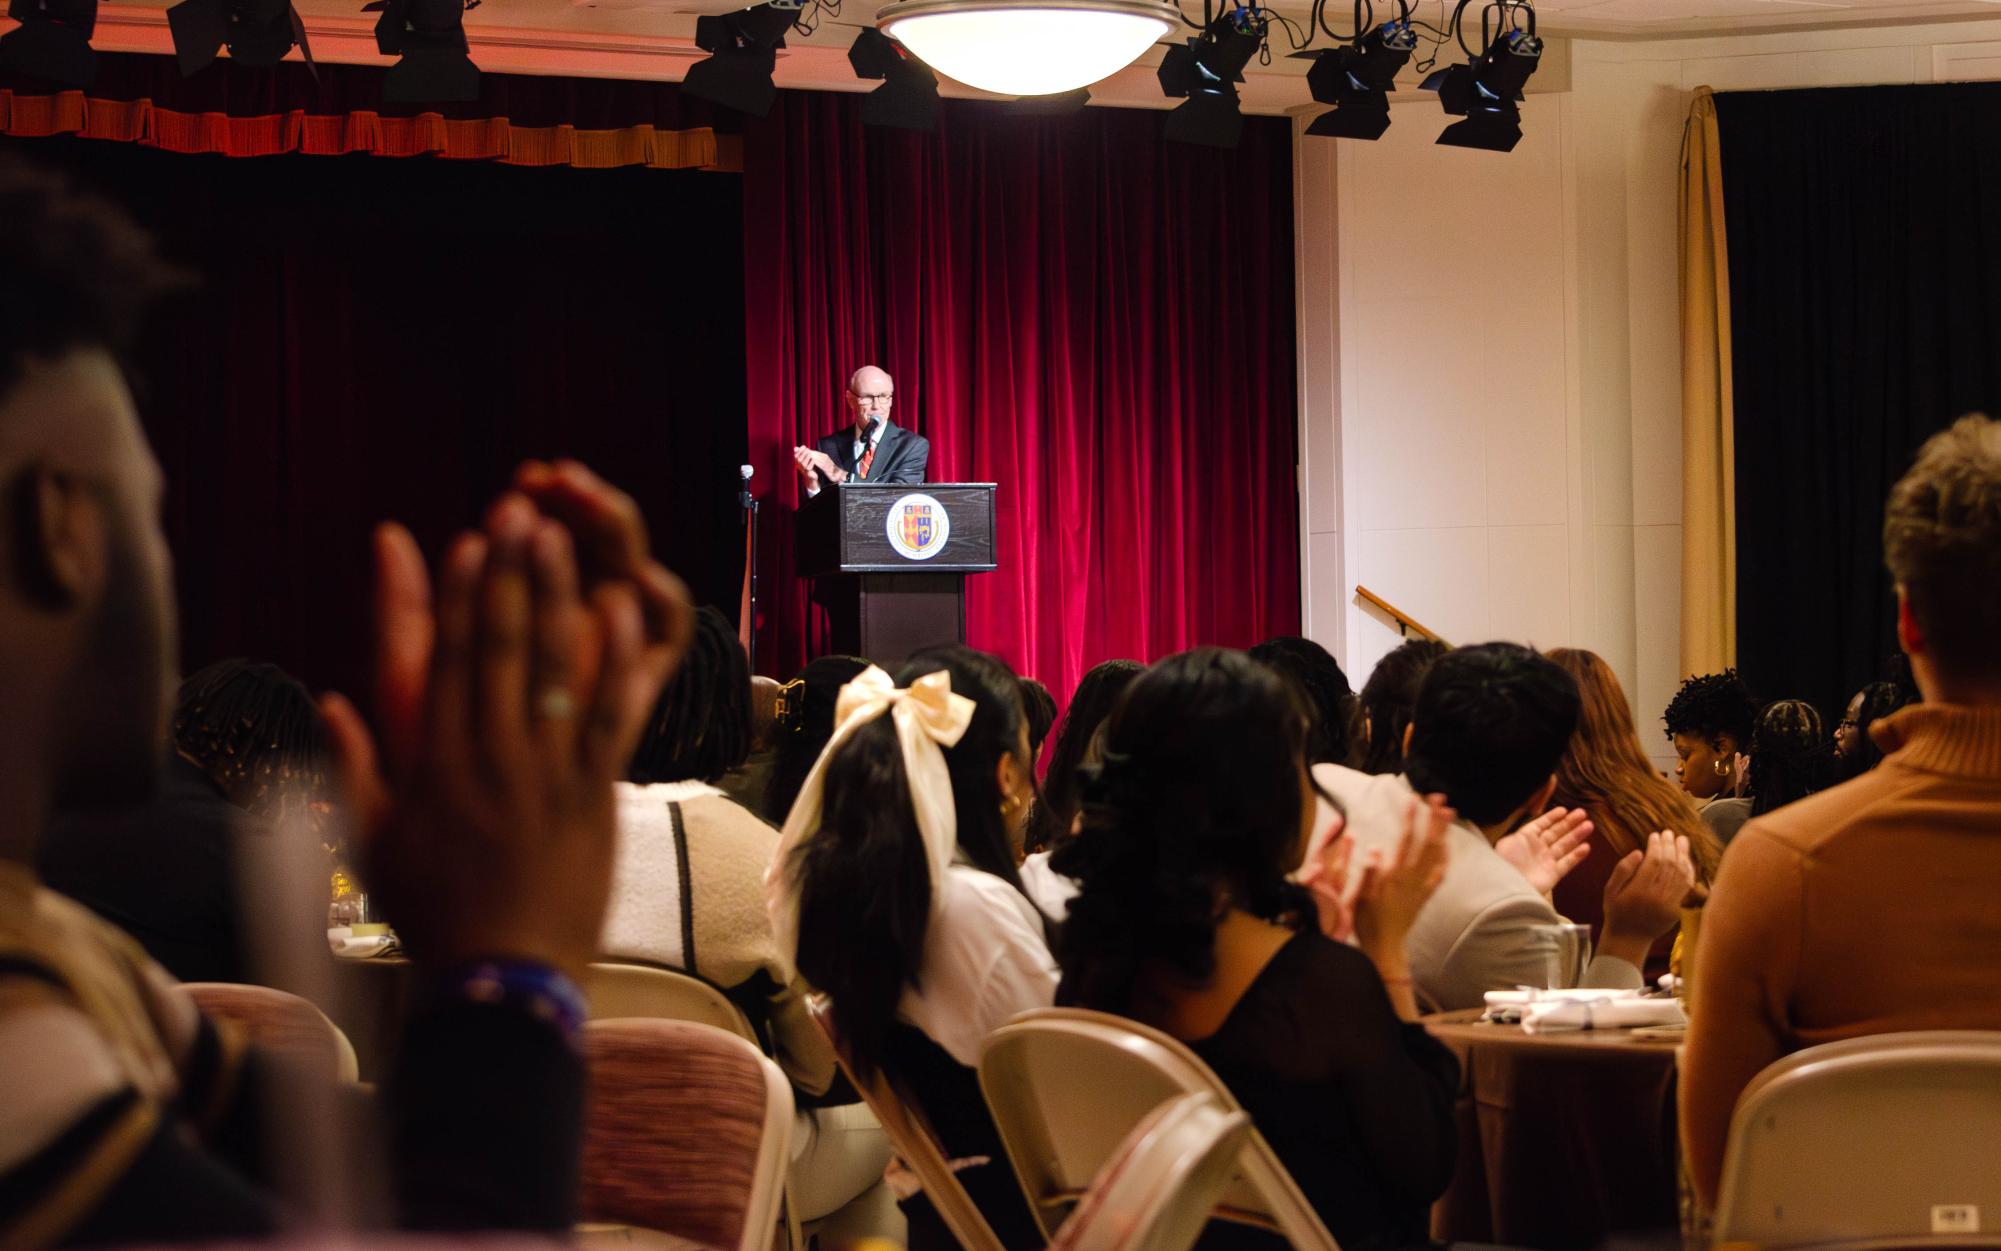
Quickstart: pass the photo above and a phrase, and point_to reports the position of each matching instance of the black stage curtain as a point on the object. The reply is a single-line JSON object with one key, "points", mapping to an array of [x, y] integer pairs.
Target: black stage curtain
{"points": [[382, 338], [1864, 230]]}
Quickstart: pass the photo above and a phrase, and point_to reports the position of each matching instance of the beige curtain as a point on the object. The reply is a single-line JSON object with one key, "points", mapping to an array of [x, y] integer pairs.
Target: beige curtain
{"points": [[1708, 471]]}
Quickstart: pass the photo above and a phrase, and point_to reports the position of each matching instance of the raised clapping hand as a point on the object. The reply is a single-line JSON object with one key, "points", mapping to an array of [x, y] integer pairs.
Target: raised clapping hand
{"points": [[507, 706], [1549, 847], [1644, 896], [809, 459]]}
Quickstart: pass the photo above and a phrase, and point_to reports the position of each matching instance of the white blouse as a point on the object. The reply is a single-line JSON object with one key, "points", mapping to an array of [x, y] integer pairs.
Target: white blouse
{"points": [[985, 961]]}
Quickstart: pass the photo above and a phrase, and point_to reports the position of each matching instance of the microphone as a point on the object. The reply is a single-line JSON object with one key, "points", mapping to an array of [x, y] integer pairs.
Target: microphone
{"points": [[746, 471]]}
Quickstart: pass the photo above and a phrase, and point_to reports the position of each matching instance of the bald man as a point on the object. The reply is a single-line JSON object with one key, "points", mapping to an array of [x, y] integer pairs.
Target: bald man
{"points": [[871, 449]]}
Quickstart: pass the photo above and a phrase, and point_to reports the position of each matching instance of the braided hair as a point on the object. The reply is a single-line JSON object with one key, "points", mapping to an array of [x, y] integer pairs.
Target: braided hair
{"points": [[1790, 755], [256, 732], [701, 724]]}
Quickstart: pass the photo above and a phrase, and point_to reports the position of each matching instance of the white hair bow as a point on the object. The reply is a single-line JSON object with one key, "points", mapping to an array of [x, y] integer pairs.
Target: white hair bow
{"points": [[929, 718]]}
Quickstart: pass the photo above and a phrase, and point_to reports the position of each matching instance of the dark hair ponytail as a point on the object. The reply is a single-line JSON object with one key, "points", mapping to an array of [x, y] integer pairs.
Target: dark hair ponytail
{"points": [[864, 889], [864, 880]]}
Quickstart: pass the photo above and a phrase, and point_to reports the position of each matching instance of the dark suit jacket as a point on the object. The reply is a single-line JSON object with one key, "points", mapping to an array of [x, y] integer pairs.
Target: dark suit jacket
{"points": [[900, 455]]}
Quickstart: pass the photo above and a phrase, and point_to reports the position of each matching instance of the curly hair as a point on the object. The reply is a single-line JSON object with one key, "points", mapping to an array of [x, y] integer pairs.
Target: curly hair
{"points": [[1879, 700], [1711, 706], [1198, 800], [256, 732], [1790, 755]]}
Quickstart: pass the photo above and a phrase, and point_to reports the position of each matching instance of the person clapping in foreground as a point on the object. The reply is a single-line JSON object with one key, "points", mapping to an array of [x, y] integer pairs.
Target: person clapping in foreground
{"points": [[508, 702]]}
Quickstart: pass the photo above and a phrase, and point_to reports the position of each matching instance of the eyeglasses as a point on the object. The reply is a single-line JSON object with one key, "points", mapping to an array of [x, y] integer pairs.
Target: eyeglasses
{"points": [[881, 398]]}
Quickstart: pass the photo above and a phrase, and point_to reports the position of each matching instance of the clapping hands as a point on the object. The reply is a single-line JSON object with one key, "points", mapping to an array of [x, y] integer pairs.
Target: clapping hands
{"points": [[1393, 886], [1546, 849], [507, 704]]}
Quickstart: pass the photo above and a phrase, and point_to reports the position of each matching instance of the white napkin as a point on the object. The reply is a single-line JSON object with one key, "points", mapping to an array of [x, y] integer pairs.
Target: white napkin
{"points": [[1580, 994], [1555, 1016], [348, 947]]}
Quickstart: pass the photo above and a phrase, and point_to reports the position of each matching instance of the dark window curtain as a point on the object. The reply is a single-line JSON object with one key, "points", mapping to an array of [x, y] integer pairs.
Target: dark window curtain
{"points": [[1097, 320], [1864, 229], [377, 338]]}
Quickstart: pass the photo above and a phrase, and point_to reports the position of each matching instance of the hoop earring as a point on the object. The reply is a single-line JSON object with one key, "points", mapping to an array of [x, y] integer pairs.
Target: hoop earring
{"points": [[1722, 770]]}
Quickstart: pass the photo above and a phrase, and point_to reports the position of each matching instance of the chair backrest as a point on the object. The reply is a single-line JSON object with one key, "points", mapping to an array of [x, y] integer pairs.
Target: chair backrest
{"points": [[1157, 1190], [688, 1132], [281, 1023], [1891, 1137], [913, 1141], [1066, 1086], [616, 991]]}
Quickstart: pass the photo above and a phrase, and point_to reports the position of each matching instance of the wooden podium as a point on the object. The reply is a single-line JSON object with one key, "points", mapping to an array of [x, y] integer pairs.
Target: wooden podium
{"points": [[889, 561]]}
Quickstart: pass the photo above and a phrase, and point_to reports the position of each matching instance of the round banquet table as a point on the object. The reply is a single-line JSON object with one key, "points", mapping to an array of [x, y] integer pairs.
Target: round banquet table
{"points": [[1563, 1138]]}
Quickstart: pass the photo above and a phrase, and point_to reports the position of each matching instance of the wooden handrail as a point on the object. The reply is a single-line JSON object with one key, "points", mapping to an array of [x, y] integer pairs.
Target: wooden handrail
{"points": [[1406, 624]]}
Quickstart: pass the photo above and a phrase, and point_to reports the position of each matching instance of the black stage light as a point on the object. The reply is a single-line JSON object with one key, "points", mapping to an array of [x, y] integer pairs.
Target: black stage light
{"points": [[908, 97], [428, 38], [52, 40], [258, 33], [1207, 70], [1357, 79], [1487, 92], [743, 50]]}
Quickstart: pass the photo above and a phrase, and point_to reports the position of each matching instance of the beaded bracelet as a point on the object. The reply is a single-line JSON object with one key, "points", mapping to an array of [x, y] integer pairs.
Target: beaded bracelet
{"points": [[542, 992]]}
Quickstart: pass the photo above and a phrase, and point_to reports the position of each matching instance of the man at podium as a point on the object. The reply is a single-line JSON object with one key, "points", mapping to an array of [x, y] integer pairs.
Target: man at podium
{"points": [[871, 449]]}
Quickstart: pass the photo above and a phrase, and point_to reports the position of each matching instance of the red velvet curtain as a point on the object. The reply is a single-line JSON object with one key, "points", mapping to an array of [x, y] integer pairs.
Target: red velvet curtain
{"points": [[1097, 320]]}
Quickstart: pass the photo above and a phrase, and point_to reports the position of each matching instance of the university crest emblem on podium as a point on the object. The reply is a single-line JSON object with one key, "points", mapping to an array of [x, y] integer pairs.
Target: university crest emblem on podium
{"points": [[918, 526]]}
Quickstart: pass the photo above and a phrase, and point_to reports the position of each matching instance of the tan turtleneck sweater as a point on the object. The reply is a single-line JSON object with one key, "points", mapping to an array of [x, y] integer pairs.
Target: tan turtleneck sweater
{"points": [[1865, 909]]}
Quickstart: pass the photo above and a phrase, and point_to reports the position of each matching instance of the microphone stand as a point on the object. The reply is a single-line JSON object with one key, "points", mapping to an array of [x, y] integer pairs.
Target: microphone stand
{"points": [[749, 502]]}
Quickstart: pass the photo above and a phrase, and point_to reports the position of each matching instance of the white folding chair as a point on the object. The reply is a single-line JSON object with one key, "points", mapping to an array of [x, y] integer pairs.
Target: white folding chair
{"points": [[1157, 1190], [617, 989], [1066, 1085], [1886, 1140]]}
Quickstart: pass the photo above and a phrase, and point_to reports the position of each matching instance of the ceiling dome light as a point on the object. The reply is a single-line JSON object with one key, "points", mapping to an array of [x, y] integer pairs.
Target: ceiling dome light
{"points": [[1027, 47]]}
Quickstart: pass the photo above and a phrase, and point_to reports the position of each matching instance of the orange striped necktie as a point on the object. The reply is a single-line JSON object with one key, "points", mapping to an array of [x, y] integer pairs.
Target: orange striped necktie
{"points": [[868, 453]]}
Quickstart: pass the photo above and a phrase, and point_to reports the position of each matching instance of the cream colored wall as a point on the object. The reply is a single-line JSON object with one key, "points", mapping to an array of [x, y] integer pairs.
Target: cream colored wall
{"points": [[1491, 431]]}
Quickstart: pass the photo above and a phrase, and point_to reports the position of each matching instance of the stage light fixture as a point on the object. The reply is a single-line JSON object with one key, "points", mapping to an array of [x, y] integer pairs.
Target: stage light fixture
{"points": [[1027, 47], [428, 38], [908, 97], [1357, 79], [743, 51], [258, 33], [1207, 70], [1487, 91], [52, 40]]}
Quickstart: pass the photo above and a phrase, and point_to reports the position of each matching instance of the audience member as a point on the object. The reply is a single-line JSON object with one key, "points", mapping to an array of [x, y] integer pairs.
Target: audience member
{"points": [[1056, 804], [746, 783], [1605, 773], [249, 760], [1387, 698], [1855, 752], [1868, 908], [1709, 721], [1789, 757], [1040, 707], [1187, 921], [805, 721], [1333, 735], [126, 1114], [1489, 729], [689, 894], [895, 891]]}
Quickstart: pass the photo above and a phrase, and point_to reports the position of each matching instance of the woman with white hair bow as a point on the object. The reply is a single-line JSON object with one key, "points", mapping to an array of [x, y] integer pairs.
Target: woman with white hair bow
{"points": [[895, 890]]}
